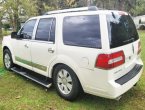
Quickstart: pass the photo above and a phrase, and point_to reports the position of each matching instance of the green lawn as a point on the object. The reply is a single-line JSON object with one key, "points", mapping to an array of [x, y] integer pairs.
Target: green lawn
{"points": [[17, 93]]}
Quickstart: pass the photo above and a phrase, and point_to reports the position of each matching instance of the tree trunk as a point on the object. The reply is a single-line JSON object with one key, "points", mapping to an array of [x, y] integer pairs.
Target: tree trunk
{"points": [[82, 3], [40, 7], [89, 2], [16, 17], [1, 29], [16, 22], [121, 4]]}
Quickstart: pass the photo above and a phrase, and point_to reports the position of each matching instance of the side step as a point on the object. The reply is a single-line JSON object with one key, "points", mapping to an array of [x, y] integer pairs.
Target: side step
{"points": [[42, 80]]}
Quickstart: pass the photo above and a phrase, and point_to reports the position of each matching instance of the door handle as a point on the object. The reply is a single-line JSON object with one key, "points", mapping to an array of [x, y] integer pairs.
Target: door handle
{"points": [[50, 50], [26, 46]]}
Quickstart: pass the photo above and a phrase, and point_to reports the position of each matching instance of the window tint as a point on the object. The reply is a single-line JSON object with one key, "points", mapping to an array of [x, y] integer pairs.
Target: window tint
{"points": [[27, 29], [83, 31], [121, 29], [43, 29]]}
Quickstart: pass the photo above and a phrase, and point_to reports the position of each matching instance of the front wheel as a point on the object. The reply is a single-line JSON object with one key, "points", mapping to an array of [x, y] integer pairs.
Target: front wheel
{"points": [[66, 82], [7, 59]]}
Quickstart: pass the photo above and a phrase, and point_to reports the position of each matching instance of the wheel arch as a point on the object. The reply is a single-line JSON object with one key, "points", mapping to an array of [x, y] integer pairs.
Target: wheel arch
{"points": [[57, 64], [60, 63], [68, 62], [6, 47]]}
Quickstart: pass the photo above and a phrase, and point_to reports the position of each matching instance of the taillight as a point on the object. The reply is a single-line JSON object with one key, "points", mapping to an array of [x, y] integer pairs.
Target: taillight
{"points": [[109, 61], [139, 47]]}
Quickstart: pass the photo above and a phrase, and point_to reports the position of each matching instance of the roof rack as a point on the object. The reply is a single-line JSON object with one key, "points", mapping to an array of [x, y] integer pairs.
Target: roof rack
{"points": [[90, 8]]}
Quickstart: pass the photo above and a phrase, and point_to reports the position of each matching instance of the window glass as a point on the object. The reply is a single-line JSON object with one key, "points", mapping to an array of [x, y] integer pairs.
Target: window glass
{"points": [[43, 29], [27, 29], [121, 29], [83, 31]]}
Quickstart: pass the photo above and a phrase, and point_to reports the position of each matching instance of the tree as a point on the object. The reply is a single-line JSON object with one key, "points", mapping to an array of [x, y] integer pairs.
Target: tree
{"points": [[40, 7], [139, 8], [15, 9], [1, 16], [0, 25]]}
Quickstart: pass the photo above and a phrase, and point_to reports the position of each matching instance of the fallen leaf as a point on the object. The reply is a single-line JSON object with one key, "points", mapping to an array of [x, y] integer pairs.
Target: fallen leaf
{"points": [[18, 97]]}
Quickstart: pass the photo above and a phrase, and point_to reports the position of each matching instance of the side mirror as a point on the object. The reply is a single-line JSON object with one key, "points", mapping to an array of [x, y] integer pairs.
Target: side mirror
{"points": [[14, 35]]}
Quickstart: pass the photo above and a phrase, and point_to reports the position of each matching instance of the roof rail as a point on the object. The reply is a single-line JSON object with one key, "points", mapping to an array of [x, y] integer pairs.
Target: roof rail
{"points": [[90, 8]]}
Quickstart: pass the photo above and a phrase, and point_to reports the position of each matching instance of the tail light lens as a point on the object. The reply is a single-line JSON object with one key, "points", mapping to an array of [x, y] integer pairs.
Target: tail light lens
{"points": [[139, 47], [109, 61]]}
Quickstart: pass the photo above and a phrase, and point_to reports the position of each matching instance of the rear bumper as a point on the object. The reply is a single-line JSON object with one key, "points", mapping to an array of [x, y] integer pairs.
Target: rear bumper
{"points": [[125, 83], [131, 74], [113, 88]]}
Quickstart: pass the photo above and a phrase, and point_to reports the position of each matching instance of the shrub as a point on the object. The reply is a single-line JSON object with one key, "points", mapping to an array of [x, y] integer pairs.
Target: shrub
{"points": [[142, 27]]}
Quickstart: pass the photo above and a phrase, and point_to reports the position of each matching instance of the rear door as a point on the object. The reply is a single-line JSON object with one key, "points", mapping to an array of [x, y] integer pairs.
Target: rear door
{"points": [[43, 47], [123, 36]]}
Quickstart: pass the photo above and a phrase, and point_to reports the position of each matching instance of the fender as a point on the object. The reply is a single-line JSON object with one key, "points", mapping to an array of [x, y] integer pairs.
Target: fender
{"points": [[7, 43], [67, 61]]}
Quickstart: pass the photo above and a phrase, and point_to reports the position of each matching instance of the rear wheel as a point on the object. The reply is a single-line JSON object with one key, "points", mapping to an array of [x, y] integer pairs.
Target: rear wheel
{"points": [[7, 59], [66, 82]]}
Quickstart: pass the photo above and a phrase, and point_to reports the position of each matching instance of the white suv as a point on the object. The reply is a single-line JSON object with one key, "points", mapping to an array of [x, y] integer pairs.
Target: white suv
{"points": [[81, 49]]}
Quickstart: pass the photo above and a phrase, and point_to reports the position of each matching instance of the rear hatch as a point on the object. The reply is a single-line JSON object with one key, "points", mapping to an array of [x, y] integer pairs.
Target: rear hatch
{"points": [[123, 36]]}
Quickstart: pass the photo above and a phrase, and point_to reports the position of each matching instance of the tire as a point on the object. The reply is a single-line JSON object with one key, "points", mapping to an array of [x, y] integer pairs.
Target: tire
{"points": [[7, 59], [66, 82]]}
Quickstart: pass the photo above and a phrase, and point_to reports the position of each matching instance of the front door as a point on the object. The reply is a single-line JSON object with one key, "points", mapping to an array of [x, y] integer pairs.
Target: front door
{"points": [[22, 45]]}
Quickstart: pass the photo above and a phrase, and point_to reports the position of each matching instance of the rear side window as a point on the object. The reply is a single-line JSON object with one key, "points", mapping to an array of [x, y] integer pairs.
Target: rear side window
{"points": [[83, 31], [46, 29], [121, 29]]}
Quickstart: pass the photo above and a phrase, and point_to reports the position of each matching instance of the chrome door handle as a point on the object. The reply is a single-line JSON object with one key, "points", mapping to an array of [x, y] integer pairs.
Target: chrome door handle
{"points": [[26, 46], [50, 50]]}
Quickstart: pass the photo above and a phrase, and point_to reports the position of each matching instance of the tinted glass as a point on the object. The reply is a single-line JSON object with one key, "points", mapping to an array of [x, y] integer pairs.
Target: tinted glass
{"points": [[43, 29], [122, 30], [82, 31], [27, 30], [52, 32]]}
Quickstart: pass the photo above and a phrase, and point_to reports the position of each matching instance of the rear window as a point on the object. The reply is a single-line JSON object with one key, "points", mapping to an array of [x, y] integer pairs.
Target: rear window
{"points": [[121, 29], [83, 31]]}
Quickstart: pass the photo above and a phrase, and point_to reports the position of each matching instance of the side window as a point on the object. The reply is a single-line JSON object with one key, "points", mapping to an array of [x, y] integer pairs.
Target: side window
{"points": [[44, 29], [83, 31], [27, 29]]}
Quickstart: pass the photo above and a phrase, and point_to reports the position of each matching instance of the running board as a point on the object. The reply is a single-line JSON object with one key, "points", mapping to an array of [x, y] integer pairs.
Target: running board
{"points": [[42, 80]]}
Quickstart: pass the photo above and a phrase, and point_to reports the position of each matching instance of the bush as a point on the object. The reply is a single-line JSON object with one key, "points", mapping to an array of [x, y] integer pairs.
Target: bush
{"points": [[5, 33], [6, 26], [142, 27]]}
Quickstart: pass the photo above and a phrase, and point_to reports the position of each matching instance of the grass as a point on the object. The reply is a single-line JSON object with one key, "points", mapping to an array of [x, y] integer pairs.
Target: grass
{"points": [[17, 93]]}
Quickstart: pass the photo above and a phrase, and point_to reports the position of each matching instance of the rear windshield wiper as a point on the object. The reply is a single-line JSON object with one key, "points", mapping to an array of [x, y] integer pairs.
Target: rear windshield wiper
{"points": [[131, 39]]}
